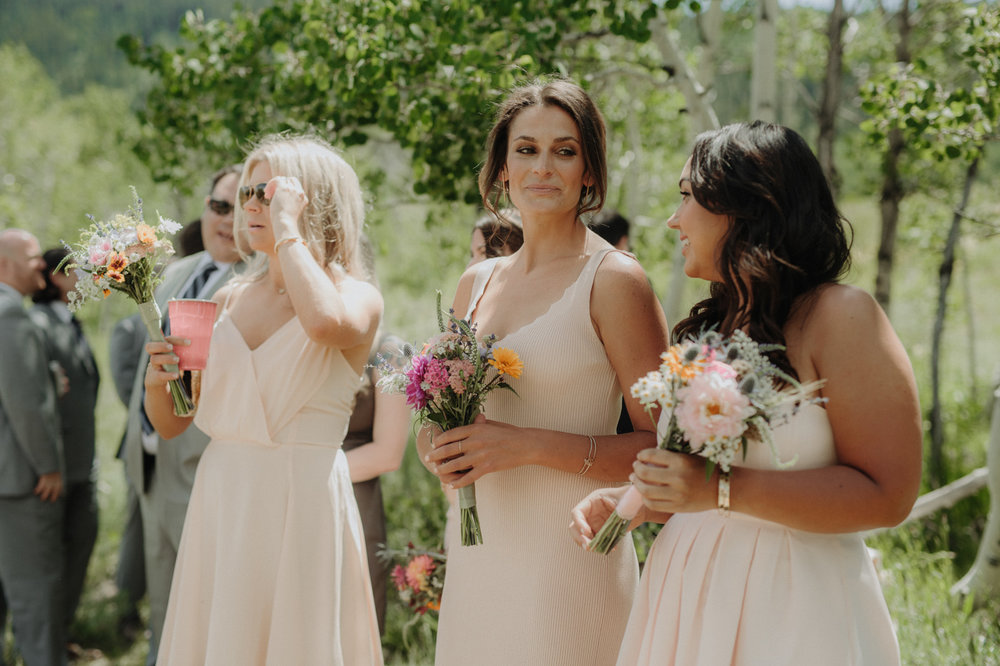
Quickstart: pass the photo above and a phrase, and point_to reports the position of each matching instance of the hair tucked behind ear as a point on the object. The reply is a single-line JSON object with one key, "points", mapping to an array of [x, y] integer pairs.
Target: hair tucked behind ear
{"points": [[572, 99], [786, 238]]}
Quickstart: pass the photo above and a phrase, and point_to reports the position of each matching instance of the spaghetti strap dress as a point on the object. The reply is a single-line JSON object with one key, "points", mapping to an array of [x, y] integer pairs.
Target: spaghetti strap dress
{"points": [[272, 568], [528, 594], [744, 591]]}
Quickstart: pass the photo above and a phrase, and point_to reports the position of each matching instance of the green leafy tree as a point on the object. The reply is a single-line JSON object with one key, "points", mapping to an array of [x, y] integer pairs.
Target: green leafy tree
{"points": [[424, 72]]}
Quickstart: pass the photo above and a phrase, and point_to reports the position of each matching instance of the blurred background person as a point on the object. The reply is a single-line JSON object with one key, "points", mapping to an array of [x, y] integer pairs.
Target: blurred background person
{"points": [[189, 237], [67, 346], [31, 464], [124, 352], [375, 443], [613, 227], [495, 235]]}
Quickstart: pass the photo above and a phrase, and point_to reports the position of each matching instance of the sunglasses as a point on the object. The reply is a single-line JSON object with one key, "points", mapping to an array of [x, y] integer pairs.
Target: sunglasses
{"points": [[249, 191], [220, 207]]}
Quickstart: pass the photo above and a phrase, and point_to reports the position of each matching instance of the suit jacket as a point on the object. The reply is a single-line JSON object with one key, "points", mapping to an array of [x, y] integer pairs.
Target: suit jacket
{"points": [[30, 443], [176, 459], [125, 349], [76, 407]]}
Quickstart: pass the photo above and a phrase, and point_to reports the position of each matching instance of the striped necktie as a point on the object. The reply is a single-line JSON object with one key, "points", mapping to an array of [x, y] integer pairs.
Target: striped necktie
{"points": [[199, 281]]}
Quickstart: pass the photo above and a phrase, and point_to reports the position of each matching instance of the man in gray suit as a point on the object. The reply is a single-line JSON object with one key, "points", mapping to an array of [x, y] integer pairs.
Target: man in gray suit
{"points": [[162, 472], [67, 347], [31, 463]]}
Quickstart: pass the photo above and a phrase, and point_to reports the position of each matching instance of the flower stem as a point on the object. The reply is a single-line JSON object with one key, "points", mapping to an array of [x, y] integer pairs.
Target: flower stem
{"points": [[149, 312], [469, 516]]}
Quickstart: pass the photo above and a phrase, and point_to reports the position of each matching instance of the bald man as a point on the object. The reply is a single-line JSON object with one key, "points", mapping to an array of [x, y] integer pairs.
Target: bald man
{"points": [[31, 463]]}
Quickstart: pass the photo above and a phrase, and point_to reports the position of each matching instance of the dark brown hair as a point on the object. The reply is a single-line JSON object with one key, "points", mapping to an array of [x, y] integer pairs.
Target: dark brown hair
{"points": [[786, 238], [572, 99]]}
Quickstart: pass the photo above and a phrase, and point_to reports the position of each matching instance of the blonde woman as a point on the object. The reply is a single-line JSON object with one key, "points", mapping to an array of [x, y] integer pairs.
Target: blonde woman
{"points": [[272, 568]]}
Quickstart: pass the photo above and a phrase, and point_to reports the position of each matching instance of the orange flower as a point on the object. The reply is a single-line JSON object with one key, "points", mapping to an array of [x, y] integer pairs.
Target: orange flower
{"points": [[673, 358], [145, 234], [507, 362], [117, 263], [116, 276]]}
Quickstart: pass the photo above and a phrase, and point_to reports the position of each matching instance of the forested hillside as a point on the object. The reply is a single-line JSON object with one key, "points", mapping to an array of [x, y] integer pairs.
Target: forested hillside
{"points": [[75, 41]]}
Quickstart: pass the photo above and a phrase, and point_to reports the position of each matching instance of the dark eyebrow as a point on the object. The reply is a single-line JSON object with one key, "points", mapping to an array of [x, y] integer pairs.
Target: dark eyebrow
{"points": [[561, 139], [682, 181]]}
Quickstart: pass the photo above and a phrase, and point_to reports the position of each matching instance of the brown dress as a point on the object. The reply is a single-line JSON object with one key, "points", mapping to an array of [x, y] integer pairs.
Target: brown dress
{"points": [[369, 493]]}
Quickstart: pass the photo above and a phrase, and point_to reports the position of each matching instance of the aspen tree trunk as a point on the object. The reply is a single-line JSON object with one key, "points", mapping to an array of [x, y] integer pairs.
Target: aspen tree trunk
{"points": [[892, 183], [830, 100], [702, 114], [983, 579], [764, 78], [945, 271]]}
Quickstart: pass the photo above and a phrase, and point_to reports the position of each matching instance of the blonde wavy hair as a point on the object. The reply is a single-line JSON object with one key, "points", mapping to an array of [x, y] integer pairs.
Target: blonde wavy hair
{"points": [[332, 221]]}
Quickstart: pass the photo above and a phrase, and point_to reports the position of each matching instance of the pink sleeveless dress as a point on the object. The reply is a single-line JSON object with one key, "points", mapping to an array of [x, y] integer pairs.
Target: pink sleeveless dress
{"points": [[529, 594], [272, 567], [744, 591]]}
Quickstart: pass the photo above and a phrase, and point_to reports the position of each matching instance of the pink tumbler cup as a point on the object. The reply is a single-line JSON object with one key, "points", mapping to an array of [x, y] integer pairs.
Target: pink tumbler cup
{"points": [[192, 319]]}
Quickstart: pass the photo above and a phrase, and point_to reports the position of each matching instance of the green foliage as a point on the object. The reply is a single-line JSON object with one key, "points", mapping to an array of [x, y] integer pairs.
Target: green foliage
{"points": [[934, 627], [75, 41], [424, 72], [947, 120]]}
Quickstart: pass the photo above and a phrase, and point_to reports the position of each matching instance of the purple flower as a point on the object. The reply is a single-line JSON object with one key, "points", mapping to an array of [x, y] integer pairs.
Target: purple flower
{"points": [[415, 396]]}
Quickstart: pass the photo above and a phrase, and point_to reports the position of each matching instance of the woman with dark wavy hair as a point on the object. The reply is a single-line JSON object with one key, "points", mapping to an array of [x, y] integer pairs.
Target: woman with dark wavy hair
{"points": [[765, 566]]}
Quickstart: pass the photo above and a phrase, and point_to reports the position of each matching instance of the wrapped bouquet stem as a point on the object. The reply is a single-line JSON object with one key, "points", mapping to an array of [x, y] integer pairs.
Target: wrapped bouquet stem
{"points": [[446, 385], [124, 254], [717, 395]]}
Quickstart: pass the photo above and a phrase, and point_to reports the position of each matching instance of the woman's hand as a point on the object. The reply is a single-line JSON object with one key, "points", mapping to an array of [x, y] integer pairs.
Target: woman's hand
{"points": [[157, 401], [288, 200], [672, 482], [589, 515], [461, 455], [161, 354]]}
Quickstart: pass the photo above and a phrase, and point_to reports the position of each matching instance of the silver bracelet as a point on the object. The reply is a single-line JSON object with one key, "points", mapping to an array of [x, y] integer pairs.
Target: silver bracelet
{"points": [[591, 456], [724, 492]]}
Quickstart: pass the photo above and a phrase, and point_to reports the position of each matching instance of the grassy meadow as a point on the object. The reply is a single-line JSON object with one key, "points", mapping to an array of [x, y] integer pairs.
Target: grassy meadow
{"points": [[919, 562]]}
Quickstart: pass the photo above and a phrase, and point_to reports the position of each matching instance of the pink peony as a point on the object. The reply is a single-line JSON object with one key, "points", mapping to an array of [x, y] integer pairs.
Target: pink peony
{"points": [[719, 368], [712, 407]]}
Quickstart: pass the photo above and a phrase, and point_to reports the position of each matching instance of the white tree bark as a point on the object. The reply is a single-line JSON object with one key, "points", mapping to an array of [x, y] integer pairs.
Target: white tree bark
{"points": [[983, 579], [698, 97], [699, 105], [764, 79]]}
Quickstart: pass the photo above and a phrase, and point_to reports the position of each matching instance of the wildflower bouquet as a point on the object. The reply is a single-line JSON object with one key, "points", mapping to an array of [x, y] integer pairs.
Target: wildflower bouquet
{"points": [[446, 385], [124, 254], [420, 580], [716, 395]]}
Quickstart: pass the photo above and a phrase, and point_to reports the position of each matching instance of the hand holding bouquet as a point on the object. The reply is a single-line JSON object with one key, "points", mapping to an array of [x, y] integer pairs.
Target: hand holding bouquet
{"points": [[446, 385], [125, 254], [716, 395]]}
